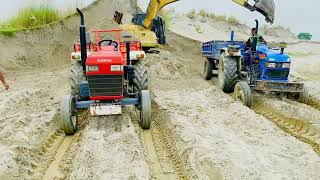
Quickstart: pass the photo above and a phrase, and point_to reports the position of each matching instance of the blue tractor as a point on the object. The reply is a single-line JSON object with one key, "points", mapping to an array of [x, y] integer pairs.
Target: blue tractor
{"points": [[240, 69]]}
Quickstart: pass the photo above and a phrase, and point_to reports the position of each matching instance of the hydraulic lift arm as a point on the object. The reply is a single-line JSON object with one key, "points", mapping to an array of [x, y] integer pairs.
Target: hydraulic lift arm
{"points": [[265, 7]]}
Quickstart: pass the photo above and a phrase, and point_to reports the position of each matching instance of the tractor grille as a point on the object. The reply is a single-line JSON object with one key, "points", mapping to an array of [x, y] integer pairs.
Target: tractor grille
{"points": [[278, 65], [278, 74], [105, 85]]}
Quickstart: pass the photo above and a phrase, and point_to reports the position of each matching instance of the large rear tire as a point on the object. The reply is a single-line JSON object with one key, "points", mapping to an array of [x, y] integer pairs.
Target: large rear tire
{"points": [[145, 109], [208, 67], [242, 93], [69, 121], [228, 74], [76, 75], [141, 76]]}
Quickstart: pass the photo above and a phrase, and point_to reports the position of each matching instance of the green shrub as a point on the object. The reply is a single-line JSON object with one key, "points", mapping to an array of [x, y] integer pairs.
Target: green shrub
{"points": [[199, 29], [203, 13], [233, 20], [212, 15], [32, 17], [191, 14], [220, 18], [167, 17]]}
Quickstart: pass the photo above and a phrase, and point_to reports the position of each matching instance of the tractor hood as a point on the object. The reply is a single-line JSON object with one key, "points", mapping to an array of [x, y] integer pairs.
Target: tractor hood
{"points": [[266, 8], [273, 55]]}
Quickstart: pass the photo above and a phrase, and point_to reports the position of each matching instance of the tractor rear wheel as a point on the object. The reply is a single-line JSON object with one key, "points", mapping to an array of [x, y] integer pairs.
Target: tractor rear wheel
{"points": [[228, 74], [69, 120], [76, 75], [208, 67], [145, 109], [141, 76], [242, 93]]}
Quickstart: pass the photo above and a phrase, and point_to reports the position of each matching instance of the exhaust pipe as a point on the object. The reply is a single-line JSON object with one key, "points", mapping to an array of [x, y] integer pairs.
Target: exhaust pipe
{"points": [[255, 38], [83, 41], [257, 25]]}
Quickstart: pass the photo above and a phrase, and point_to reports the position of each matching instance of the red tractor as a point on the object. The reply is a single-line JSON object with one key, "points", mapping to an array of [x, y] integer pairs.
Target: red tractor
{"points": [[105, 76]]}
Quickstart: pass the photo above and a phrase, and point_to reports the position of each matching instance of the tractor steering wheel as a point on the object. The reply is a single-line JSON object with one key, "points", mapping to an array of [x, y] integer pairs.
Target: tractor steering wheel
{"points": [[108, 42]]}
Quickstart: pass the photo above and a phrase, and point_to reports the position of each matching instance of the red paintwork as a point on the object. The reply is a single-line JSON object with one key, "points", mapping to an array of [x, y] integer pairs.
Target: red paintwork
{"points": [[106, 56]]}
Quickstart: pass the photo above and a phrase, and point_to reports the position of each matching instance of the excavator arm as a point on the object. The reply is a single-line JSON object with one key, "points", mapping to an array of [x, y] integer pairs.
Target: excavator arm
{"points": [[265, 7], [153, 10]]}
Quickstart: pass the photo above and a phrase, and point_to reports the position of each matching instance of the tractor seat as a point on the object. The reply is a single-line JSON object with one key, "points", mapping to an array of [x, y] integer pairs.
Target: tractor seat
{"points": [[106, 43], [108, 48]]}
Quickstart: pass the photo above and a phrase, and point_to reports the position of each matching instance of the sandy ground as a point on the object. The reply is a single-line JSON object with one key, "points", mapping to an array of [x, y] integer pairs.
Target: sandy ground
{"points": [[110, 149], [224, 139], [198, 131]]}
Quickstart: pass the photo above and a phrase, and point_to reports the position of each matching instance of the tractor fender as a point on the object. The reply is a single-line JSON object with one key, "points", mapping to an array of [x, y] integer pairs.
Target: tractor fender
{"points": [[230, 53]]}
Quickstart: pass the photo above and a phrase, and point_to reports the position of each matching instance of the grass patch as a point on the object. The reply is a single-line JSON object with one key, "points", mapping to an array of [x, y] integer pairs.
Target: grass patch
{"points": [[199, 29], [233, 20], [31, 18], [8, 32], [203, 13], [220, 18], [191, 14], [212, 15]]}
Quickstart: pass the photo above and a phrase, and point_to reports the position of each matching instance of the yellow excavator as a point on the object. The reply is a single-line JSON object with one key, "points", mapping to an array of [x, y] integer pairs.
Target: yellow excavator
{"points": [[149, 27]]}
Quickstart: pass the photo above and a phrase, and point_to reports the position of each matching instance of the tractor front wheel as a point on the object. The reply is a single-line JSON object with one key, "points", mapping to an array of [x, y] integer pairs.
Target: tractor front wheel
{"points": [[69, 120], [141, 76], [76, 75], [145, 109], [242, 93], [228, 73]]}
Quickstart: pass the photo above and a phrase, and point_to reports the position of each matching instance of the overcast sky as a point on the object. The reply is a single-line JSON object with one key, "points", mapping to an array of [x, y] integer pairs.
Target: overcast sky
{"points": [[299, 16]]}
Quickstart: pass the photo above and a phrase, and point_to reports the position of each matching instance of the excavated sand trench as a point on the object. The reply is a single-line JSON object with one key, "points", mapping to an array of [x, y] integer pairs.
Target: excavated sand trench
{"points": [[198, 131]]}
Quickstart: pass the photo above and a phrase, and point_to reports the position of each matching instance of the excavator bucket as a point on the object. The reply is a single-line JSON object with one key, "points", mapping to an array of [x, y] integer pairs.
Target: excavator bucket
{"points": [[265, 7]]}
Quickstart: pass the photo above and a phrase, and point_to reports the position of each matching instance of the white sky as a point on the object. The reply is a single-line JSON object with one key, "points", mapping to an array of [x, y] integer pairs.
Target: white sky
{"points": [[299, 16]]}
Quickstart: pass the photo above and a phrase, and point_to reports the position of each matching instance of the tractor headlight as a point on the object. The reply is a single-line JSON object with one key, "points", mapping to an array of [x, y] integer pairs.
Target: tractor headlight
{"points": [[116, 68], [285, 65], [92, 68], [75, 56], [262, 56], [271, 65]]}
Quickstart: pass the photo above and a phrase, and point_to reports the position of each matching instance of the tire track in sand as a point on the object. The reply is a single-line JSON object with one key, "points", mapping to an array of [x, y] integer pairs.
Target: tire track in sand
{"points": [[49, 161], [53, 159], [296, 127], [160, 148]]}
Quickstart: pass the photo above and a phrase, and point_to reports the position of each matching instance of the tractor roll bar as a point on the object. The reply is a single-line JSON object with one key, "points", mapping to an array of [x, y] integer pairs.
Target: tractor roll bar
{"points": [[83, 41]]}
